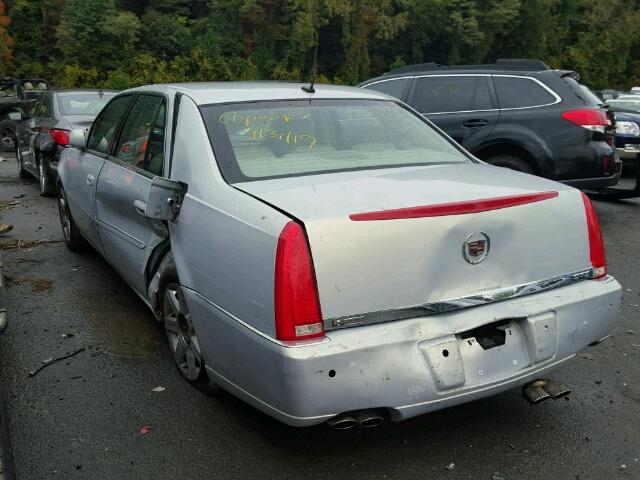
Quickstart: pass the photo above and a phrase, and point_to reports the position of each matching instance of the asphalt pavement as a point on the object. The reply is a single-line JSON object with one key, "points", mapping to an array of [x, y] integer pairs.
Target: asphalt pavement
{"points": [[84, 417]]}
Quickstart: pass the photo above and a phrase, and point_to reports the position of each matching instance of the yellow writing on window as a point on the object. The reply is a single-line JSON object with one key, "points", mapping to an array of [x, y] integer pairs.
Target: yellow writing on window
{"points": [[289, 137], [235, 118]]}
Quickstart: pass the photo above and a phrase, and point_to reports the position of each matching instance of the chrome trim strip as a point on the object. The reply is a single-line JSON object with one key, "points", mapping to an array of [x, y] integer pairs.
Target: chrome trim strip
{"points": [[460, 303]]}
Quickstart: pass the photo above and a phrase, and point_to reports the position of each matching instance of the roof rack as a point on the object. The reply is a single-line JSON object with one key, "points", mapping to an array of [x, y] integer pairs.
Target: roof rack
{"points": [[523, 64]]}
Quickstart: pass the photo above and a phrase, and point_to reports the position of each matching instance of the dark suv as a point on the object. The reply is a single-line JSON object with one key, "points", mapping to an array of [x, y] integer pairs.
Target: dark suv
{"points": [[518, 114]]}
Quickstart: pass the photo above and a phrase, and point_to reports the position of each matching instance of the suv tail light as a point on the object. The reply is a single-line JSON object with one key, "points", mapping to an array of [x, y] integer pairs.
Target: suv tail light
{"points": [[297, 306], [589, 118], [61, 137], [596, 243]]}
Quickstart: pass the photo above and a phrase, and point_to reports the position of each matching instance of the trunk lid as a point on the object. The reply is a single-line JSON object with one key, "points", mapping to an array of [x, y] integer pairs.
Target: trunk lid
{"points": [[379, 265]]}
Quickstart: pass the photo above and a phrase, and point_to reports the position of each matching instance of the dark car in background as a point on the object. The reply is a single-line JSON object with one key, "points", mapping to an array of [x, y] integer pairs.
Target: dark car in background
{"points": [[17, 97], [43, 136], [627, 113], [518, 114]]}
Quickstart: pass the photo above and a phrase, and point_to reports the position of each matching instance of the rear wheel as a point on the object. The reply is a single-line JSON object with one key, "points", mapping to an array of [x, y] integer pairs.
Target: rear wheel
{"points": [[182, 338], [7, 140], [512, 162], [73, 239], [44, 177]]}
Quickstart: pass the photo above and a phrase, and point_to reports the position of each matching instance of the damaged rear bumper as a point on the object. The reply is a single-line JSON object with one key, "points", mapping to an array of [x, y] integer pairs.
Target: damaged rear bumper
{"points": [[407, 367]]}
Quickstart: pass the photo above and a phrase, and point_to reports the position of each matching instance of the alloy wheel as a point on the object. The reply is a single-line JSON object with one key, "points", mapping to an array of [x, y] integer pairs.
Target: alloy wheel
{"points": [[180, 333], [65, 218], [41, 176]]}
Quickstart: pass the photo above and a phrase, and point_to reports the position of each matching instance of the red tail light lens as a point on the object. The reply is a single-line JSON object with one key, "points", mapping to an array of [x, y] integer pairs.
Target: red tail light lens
{"points": [[61, 137], [297, 306], [596, 242], [589, 118]]}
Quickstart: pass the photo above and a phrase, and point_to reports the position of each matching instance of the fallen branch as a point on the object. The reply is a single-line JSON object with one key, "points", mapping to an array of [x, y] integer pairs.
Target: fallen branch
{"points": [[33, 373]]}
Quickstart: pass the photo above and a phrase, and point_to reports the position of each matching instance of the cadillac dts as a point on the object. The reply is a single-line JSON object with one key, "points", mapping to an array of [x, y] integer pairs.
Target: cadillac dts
{"points": [[327, 254]]}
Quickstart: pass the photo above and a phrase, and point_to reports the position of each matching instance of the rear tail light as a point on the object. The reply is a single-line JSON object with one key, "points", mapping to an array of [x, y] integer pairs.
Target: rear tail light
{"points": [[589, 118], [297, 306], [61, 137], [596, 243]]}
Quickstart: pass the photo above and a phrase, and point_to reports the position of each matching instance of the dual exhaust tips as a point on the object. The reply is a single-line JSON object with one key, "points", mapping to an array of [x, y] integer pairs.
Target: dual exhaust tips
{"points": [[534, 392], [540, 390], [359, 418]]}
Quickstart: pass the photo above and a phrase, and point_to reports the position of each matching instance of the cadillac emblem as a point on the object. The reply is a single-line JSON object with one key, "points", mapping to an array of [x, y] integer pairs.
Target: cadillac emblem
{"points": [[476, 247]]}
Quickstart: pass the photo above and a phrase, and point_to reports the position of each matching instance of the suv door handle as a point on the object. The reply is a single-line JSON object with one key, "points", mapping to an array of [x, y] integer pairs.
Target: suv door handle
{"points": [[90, 179], [475, 123]]}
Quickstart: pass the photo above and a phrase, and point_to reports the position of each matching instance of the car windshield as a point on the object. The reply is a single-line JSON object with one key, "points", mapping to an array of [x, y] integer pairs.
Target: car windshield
{"points": [[624, 105], [83, 103], [262, 140]]}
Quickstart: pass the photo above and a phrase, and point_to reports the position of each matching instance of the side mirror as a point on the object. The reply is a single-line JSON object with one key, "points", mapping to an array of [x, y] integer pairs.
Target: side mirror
{"points": [[164, 200], [77, 138]]}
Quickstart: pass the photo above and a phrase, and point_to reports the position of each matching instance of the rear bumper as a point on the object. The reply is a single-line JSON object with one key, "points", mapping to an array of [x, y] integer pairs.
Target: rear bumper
{"points": [[594, 183], [400, 366]]}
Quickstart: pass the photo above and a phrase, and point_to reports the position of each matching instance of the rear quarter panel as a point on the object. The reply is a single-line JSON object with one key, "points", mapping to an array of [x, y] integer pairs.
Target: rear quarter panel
{"points": [[224, 241]]}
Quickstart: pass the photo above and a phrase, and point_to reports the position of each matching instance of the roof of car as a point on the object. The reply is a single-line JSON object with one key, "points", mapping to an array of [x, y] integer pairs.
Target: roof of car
{"points": [[204, 93]]}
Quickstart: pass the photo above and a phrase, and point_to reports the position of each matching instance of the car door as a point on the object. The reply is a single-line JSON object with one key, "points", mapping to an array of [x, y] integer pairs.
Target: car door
{"points": [[128, 237], [83, 167], [463, 105]]}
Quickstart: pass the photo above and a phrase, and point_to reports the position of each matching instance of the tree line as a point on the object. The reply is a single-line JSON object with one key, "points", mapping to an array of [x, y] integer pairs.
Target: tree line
{"points": [[123, 43]]}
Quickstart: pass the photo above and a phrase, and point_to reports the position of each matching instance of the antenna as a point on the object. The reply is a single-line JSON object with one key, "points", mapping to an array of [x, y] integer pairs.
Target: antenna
{"points": [[314, 69]]}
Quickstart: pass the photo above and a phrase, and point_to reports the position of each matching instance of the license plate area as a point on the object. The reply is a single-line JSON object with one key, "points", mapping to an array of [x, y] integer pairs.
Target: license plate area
{"points": [[482, 355], [493, 352]]}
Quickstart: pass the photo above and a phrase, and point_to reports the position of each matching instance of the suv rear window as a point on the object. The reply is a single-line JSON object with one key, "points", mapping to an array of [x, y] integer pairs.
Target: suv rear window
{"points": [[395, 88], [521, 92], [440, 94], [582, 92], [259, 140]]}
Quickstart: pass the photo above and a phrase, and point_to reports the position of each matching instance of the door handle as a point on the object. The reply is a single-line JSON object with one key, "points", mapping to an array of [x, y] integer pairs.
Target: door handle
{"points": [[475, 123], [90, 179], [141, 207]]}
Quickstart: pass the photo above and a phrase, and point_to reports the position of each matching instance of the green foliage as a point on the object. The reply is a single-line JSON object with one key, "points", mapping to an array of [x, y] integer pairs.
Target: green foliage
{"points": [[123, 43]]}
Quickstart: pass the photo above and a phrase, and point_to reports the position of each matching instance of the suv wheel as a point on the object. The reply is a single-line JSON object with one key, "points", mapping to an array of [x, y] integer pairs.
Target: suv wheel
{"points": [[7, 140], [509, 161]]}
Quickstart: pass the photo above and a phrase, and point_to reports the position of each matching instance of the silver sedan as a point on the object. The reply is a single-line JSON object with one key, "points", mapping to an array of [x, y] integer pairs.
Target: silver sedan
{"points": [[326, 254]]}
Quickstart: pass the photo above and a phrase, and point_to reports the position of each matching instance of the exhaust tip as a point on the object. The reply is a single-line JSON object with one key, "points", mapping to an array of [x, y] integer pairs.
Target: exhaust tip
{"points": [[342, 422], [534, 393], [539, 390]]}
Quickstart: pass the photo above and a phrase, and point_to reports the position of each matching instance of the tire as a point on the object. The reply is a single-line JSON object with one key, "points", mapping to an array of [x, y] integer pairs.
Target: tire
{"points": [[7, 140], [21, 171], [181, 336], [73, 239], [509, 161], [45, 183]]}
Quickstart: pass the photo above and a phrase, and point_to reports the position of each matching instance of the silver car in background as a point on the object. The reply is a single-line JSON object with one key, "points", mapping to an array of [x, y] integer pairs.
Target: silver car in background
{"points": [[328, 255]]}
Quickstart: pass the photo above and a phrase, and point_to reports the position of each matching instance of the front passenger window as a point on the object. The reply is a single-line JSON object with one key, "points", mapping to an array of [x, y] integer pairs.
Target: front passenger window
{"points": [[142, 141]]}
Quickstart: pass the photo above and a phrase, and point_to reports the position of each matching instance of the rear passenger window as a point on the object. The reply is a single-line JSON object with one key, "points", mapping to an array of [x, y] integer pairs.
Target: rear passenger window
{"points": [[395, 88], [451, 94], [104, 130], [141, 143], [514, 92]]}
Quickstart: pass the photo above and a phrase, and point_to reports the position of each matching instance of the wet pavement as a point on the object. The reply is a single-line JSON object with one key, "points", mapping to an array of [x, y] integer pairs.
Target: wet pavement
{"points": [[80, 418]]}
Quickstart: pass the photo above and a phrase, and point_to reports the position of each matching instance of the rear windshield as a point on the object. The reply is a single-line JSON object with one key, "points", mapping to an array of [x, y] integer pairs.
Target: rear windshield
{"points": [[83, 103], [586, 95], [260, 140]]}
